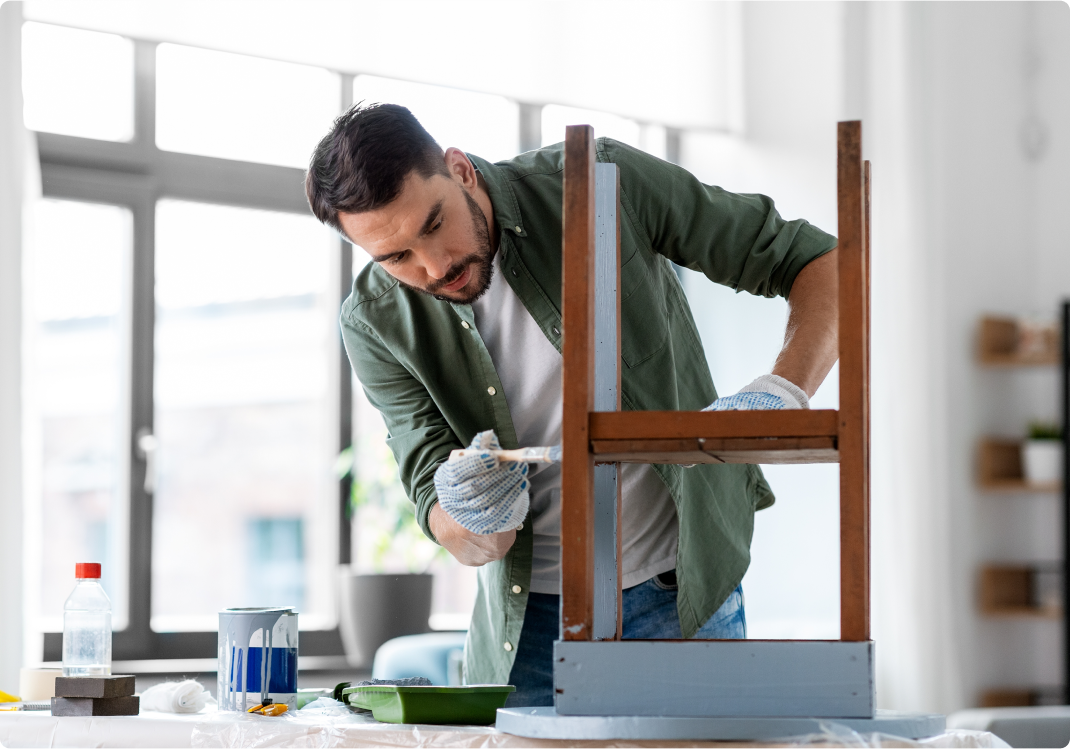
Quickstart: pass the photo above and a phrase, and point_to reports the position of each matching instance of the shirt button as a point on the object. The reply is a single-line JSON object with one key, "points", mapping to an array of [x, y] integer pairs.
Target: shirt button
{"points": [[515, 273], [465, 325], [520, 527], [557, 332], [517, 229], [508, 647], [491, 390], [516, 588]]}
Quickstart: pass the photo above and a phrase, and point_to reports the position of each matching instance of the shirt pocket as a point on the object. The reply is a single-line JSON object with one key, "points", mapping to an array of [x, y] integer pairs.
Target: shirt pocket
{"points": [[644, 317]]}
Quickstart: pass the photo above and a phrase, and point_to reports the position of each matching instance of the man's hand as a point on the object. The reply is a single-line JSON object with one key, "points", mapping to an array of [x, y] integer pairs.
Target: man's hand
{"points": [[810, 344], [470, 549], [481, 493], [768, 393]]}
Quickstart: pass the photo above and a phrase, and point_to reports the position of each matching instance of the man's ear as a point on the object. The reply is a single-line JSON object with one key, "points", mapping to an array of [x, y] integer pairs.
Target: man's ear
{"points": [[461, 169]]}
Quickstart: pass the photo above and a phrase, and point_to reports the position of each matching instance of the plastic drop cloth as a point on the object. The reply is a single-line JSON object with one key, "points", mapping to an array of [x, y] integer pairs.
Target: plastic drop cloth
{"points": [[328, 723]]}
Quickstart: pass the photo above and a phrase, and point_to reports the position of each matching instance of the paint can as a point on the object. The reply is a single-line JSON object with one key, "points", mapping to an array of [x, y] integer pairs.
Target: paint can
{"points": [[257, 657]]}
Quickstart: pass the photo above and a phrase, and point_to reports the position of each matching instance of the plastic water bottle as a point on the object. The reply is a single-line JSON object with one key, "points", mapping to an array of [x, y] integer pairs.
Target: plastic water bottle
{"points": [[87, 625]]}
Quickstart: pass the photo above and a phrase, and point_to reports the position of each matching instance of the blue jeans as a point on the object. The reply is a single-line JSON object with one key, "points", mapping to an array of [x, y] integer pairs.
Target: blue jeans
{"points": [[649, 614]]}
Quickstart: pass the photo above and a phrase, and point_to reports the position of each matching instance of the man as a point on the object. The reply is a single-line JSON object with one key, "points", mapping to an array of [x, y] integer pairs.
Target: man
{"points": [[454, 331]]}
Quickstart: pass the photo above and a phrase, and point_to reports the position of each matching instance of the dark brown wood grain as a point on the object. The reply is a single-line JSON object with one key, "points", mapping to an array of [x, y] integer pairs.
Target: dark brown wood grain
{"points": [[778, 450], [713, 424], [867, 372], [854, 396], [577, 466]]}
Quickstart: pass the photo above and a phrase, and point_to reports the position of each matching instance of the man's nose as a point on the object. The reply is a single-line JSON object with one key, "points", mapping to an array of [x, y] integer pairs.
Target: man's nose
{"points": [[438, 264]]}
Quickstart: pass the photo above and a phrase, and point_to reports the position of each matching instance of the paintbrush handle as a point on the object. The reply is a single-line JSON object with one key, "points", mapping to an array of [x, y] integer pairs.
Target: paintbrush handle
{"points": [[523, 455]]}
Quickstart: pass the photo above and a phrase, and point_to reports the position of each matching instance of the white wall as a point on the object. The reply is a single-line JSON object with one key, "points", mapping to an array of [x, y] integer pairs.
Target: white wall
{"points": [[998, 227], [964, 223], [12, 137]]}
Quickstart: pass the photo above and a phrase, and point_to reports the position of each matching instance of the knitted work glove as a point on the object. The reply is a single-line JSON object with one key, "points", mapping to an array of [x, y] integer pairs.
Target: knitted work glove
{"points": [[768, 393], [482, 494]]}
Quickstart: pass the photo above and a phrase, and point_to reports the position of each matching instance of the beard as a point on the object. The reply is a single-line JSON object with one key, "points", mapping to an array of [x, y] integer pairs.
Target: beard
{"points": [[480, 261]]}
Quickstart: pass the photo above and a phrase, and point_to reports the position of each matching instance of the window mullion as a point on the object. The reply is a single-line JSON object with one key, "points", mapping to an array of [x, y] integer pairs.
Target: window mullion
{"points": [[345, 376], [139, 639]]}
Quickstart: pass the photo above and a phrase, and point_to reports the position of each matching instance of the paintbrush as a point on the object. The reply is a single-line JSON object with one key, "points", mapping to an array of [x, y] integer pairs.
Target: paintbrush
{"points": [[550, 454]]}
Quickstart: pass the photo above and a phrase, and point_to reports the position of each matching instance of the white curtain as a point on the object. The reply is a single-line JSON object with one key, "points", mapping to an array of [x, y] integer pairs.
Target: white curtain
{"points": [[914, 613], [12, 158]]}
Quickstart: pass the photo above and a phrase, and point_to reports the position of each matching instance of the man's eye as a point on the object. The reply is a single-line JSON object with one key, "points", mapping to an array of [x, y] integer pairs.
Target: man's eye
{"points": [[434, 228], [396, 259]]}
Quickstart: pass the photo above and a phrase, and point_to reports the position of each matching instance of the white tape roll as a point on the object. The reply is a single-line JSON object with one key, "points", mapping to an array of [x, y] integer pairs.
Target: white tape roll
{"points": [[38, 683]]}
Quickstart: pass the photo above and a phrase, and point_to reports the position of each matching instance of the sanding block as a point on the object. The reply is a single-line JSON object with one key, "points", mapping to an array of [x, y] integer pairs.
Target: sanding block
{"points": [[106, 687], [95, 706]]}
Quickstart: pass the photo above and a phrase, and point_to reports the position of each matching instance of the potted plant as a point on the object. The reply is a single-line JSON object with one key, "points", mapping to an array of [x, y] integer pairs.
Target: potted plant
{"points": [[1042, 453], [386, 591]]}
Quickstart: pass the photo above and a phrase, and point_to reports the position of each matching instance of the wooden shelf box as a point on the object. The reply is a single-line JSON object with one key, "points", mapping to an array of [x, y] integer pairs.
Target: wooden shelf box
{"points": [[1021, 697], [1010, 342], [1020, 590], [999, 467]]}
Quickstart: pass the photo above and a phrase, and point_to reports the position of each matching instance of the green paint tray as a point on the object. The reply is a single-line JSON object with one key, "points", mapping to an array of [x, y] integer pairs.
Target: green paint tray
{"points": [[389, 703]]}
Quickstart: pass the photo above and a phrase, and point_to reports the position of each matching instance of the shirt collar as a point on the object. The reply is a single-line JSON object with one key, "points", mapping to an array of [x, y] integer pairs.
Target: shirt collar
{"points": [[502, 198]]}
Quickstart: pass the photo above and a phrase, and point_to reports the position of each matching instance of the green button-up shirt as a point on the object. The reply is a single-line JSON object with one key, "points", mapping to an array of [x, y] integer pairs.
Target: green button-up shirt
{"points": [[431, 377]]}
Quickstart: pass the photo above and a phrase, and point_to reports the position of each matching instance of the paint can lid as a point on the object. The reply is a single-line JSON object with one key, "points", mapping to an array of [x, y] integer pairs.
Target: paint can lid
{"points": [[84, 570]]}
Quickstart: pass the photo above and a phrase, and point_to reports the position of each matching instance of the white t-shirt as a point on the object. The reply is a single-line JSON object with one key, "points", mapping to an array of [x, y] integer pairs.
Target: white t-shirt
{"points": [[529, 368]]}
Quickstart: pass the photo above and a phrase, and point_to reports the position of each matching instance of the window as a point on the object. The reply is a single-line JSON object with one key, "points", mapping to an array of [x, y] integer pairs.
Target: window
{"points": [[245, 418], [556, 117], [77, 330], [185, 377], [94, 99], [486, 125], [238, 107], [275, 561], [187, 392]]}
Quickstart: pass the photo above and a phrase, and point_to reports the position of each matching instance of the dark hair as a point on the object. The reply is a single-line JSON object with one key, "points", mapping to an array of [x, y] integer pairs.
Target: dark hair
{"points": [[362, 163]]}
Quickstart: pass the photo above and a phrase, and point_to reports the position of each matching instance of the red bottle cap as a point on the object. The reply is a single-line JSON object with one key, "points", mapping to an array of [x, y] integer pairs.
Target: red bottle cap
{"points": [[83, 570]]}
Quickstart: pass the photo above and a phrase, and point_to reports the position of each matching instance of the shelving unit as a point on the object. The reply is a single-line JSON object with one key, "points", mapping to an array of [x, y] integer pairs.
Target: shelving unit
{"points": [[1004, 342], [999, 468], [1023, 590], [1019, 590], [1021, 697]]}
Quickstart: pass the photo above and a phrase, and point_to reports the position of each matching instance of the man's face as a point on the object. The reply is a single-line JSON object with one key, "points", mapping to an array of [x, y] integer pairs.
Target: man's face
{"points": [[433, 238]]}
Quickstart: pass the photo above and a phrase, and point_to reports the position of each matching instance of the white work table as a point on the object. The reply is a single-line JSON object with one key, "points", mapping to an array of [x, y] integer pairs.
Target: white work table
{"points": [[212, 729]]}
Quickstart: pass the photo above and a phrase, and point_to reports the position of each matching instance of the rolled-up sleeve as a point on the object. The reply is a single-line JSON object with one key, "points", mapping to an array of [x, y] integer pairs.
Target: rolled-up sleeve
{"points": [[737, 240]]}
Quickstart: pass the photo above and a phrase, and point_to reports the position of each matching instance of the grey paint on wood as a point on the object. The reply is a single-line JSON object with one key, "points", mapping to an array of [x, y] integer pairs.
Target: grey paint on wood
{"points": [[546, 723], [606, 398], [752, 678]]}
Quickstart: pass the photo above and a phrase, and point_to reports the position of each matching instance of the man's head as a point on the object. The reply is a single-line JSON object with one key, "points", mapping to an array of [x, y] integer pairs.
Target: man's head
{"points": [[382, 181]]}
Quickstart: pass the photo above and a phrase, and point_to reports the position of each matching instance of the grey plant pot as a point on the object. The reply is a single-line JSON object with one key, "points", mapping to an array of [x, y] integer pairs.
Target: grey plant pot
{"points": [[377, 608]]}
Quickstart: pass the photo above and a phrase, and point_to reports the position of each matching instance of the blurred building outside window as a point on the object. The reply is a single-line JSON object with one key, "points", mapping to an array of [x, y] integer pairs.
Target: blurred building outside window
{"points": [[245, 347], [276, 568], [245, 418], [77, 328]]}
